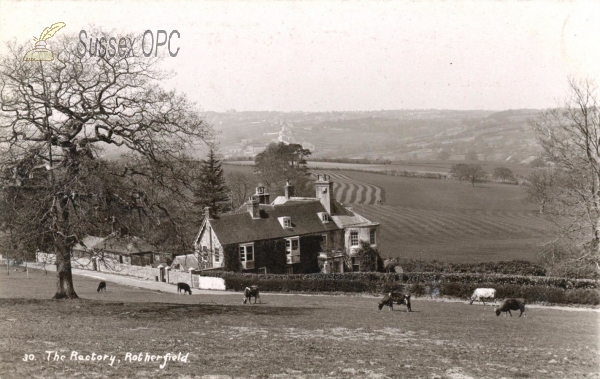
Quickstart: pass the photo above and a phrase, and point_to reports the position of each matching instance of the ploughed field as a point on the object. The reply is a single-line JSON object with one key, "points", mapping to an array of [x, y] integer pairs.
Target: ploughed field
{"points": [[288, 336], [448, 219]]}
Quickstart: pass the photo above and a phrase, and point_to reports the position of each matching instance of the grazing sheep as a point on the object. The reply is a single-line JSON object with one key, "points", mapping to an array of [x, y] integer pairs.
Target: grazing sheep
{"points": [[102, 286], [249, 292], [184, 287], [511, 305], [483, 294], [395, 297]]}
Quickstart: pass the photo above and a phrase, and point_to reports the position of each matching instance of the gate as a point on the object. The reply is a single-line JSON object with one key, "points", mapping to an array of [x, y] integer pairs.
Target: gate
{"points": [[195, 281]]}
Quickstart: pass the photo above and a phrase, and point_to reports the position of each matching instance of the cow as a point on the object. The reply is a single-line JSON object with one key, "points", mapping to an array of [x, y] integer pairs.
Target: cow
{"points": [[184, 287], [249, 292], [511, 305], [395, 297], [483, 294], [102, 286]]}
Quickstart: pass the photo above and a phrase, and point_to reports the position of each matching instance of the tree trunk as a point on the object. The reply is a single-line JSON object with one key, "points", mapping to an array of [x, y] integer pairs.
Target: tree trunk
{"points": [[63, 246], [64, 277]]}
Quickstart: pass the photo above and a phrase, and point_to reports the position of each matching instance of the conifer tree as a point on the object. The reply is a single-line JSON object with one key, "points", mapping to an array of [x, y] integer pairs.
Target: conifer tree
{"points": [[211, 190]]}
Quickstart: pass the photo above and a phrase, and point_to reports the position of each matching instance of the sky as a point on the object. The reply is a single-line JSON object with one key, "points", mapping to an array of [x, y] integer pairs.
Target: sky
{"points": [[349, 56]]}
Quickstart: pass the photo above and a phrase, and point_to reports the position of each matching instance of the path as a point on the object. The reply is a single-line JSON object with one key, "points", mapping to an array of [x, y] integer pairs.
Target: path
{"points": [[132, 281]]}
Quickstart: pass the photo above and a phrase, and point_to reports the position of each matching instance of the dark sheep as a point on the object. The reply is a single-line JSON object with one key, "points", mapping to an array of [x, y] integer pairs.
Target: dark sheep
{"points": [[511, 305], [395, 297], [250, 292], [184, 287], [102, 286]]}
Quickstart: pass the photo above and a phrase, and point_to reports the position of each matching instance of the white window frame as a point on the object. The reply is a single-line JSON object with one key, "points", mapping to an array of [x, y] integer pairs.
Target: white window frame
{"points": [[287, 223], [292, 255], [353, 233], [243, 249], [373, 237], [217, 255]]}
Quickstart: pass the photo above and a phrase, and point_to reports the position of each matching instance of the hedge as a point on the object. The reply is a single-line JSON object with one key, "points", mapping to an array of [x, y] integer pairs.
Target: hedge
{"points": [[515, 267], [534, 289]]}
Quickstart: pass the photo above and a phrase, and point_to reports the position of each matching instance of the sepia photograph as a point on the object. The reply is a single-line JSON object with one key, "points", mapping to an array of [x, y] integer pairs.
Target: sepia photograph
{"points": [[280, 189]]}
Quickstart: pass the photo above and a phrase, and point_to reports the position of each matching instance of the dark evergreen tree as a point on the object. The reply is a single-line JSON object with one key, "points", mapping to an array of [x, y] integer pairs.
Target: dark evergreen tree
{"points": [[212, 190]]}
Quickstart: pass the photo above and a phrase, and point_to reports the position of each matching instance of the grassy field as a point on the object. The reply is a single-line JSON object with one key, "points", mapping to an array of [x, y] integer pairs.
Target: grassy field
{"points": [[289, 336], [443, 219]]}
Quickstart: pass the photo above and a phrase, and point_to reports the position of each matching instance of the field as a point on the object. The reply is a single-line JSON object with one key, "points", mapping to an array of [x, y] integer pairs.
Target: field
{"points": [[288, 336], [443, 219]]}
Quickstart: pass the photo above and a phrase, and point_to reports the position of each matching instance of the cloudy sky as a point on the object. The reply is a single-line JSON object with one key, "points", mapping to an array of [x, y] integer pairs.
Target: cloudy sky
{"points": [[333, 55]]}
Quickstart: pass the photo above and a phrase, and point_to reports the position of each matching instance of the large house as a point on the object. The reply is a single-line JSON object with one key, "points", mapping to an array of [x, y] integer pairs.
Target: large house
{"points": [[289, 235]]}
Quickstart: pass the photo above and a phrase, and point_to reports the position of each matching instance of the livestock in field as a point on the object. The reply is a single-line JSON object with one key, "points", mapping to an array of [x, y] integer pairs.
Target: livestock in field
{"points": [[102, 286], [184, 287], [250, 292], [511, 305], [483, 294], [395, 297]]}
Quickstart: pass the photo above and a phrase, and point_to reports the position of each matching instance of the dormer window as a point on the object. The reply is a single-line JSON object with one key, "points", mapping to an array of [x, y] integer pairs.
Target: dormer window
{"points": [[286, 222], [324, 216]]}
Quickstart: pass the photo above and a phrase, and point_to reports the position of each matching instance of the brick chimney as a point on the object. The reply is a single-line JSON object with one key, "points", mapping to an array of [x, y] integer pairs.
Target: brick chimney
{"points": [[253, 207], [324, 191], [289, 189], [262, 194]]}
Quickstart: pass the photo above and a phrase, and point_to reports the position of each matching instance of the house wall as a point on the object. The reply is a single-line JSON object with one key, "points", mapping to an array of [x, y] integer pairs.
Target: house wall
{"points": [[310, 247], [272, 255], [363, 235], [209, 239]]}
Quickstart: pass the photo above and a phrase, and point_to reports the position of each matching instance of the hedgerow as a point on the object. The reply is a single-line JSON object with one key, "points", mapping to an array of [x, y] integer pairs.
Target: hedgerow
{"points": [[534, 289]]}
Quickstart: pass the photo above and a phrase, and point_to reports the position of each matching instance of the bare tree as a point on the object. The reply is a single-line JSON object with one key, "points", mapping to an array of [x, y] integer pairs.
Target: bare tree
{"points": [[540, 188], [570, 138], [241, 186], [56, 117]]}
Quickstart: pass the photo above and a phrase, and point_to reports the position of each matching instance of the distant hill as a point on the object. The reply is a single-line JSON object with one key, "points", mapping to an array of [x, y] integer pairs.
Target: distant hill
{"points": [[395, 135]]}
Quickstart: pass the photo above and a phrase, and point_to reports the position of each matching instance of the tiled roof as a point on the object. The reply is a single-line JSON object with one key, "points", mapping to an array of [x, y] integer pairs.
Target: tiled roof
{"points": [[240, 227]]}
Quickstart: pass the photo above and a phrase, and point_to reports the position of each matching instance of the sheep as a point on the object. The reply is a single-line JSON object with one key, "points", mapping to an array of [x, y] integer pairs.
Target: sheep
{"points": [[511, 304], [102, 286]]}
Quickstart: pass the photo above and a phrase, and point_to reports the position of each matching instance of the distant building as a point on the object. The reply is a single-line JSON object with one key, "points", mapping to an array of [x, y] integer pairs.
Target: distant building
{"points": [[289, 235], [120, 249]]}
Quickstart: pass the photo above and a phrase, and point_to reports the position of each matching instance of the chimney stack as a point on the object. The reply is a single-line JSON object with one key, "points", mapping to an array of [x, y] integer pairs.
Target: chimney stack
{"points": [[207, 213], [289, 189], [253, 207], [262, 194], [324, 192]]}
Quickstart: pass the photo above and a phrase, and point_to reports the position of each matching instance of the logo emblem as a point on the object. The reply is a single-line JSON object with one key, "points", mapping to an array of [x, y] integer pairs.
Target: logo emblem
{"points": [[39, 52]]}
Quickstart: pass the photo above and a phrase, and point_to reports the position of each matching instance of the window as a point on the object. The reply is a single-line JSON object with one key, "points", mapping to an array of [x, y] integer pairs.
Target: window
{"points": [[247, 255], [217, 255], [353, 238], [292, 250], [324, 217], [372, 236], [286, 221]]}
